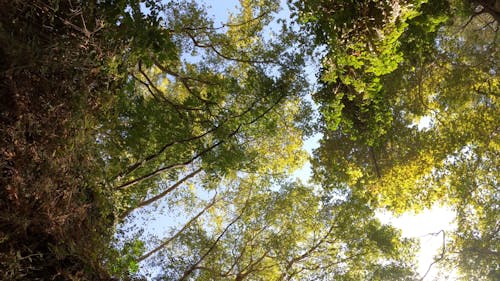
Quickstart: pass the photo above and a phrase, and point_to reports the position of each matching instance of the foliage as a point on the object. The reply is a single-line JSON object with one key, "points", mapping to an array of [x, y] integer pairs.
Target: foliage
{"points": [[441, 68], [52, 205], [291, 232], [116, 107]]}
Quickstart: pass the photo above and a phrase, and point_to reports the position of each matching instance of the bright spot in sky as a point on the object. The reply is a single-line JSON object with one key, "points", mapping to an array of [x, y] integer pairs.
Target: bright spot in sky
{"points": [[305, 173], [426, 227], [424, 122]]}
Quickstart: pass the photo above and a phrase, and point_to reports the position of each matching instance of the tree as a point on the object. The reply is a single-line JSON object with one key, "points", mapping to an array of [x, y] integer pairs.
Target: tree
{"points": [[209, 105], [438, 66], [165, 97], [132, 104], [293, 232]]}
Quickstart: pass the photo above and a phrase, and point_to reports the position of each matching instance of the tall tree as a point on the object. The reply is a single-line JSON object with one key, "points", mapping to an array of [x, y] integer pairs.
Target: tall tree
{"points": [[208, 102], [436, 66], [204, 104]]}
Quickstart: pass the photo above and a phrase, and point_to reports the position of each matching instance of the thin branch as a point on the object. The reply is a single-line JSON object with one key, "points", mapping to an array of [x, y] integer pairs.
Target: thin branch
{"points": [[166, 242], [488, 24], [306, 253], [150, 83], [212, 247], [146, 85], [443, 250], [267, 110], [228, 24], [250, 267], [87, 33], [172, 166], [177, 75], [477, 90], [482, 11], [495, 14], [295, 273], [210, 46], [138, 164], [243, 251], [163, 98], [162, 194], [184, 79]]}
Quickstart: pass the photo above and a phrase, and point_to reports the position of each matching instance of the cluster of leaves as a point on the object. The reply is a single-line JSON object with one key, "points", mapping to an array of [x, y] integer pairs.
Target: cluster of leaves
{"points": [[363, 45]]}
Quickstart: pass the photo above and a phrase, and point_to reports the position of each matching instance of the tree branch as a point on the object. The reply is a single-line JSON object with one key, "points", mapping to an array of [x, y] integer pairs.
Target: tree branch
{"points": [[171, 103], [212, 247], [189, 161], [162, 194], [136, 165], [306, 253], [166, 242], [223, 25], [163, 169], [490, 10], [443, 250], [210, 46], [177, 75], [474, 15]]}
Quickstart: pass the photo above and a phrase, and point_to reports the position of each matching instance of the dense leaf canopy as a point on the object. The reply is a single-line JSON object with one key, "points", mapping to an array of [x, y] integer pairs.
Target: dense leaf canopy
{"points": [[121, 111]]}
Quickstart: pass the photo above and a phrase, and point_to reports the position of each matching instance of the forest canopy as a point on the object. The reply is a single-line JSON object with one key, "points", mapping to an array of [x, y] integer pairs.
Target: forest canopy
{"points": [[115, 113]]}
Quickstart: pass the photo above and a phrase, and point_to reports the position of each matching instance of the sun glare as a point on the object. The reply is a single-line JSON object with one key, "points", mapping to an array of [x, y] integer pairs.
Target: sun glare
{"points": [[428, 227]]}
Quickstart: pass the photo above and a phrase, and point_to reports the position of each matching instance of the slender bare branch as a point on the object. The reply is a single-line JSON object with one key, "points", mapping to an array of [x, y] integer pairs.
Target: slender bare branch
{"points": [[210, 46], [162, 194], [228, 24], [166, 242], [443, 250]]}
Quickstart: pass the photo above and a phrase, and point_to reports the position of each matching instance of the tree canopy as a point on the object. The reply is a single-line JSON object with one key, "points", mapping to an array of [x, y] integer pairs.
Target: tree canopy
{"points": [[118, 111], [398, 64]]}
